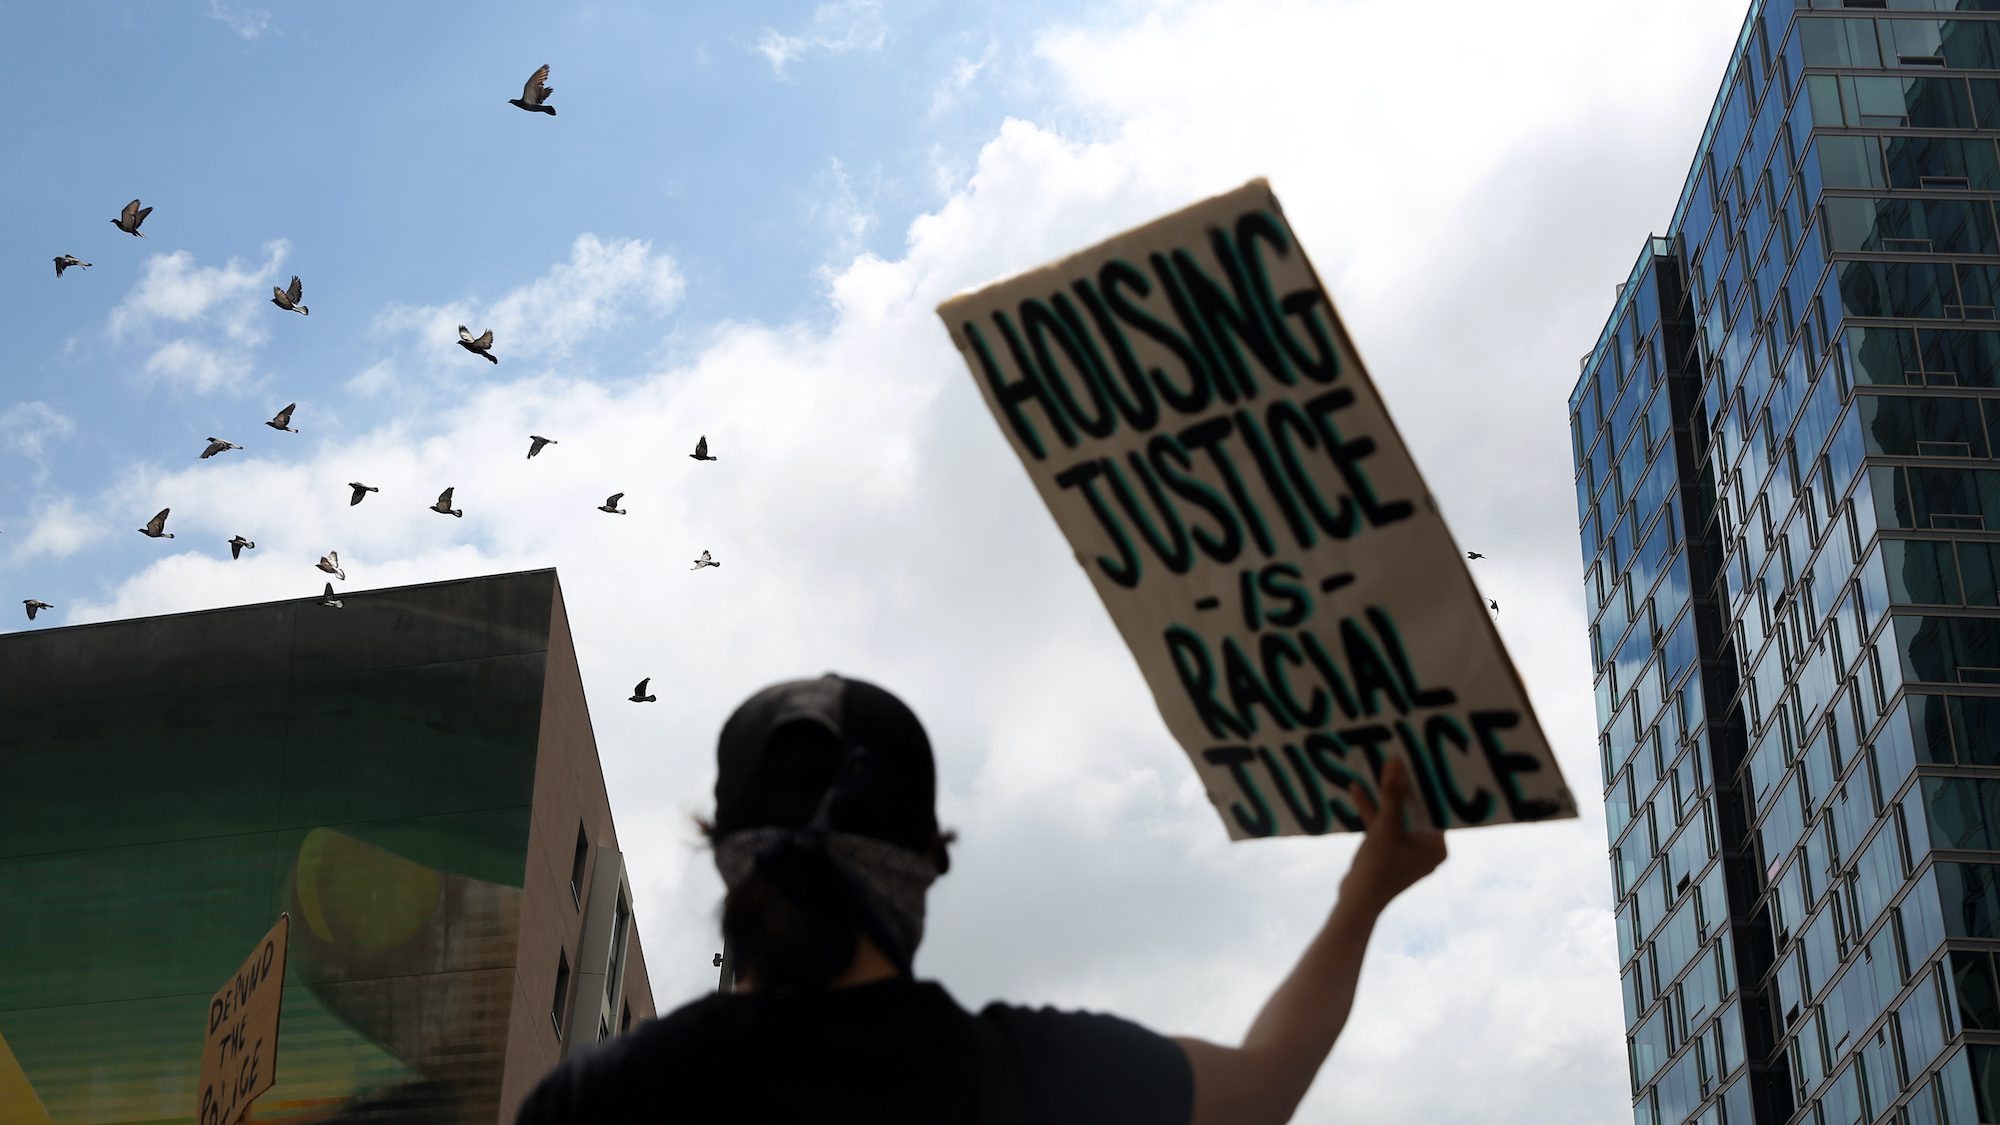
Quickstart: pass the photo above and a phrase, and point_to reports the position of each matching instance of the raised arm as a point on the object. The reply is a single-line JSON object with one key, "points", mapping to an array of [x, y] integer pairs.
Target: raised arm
{"points": [[1265, 1079]]}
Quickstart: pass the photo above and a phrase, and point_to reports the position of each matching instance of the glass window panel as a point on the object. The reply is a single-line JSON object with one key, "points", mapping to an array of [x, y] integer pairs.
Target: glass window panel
{"points": [[1854, 162], [1973, 988], [1981, 568], [1975, 723], [1967, 45], [1920, 572], [1985, 1071], [1920, 38], [1922, 1026], [1970, 896], [1954, 1087]]}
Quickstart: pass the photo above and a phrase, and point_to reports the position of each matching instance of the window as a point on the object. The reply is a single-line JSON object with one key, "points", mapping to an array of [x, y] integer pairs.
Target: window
{"points": [[576, 865], [604, 1027], [625, 1018], [621, 923], [1848, 161], [562, 992]]}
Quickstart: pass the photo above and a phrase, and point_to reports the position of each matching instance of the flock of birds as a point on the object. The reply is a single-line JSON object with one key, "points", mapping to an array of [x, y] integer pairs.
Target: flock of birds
{"points": [[533, 99], [291, 298]]}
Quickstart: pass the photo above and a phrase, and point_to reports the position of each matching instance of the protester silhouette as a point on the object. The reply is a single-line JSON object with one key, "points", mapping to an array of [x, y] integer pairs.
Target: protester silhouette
{"points": [[827, 840]]}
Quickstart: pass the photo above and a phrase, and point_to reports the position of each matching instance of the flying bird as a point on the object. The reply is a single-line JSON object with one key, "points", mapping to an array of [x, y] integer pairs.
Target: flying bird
{"points": [[330, 562], [1474, 555], [1493, 605], [217, 445], [703, 561], [328, 600], [701, 450], [639, 693], [537, 441], [480, 346], [35, 606], [611, 504], [156, 528], [129, 219], [443, 506], [237, 545], [67, 260], [534, 93], [288, 298], [283, 419], [360, 490]]}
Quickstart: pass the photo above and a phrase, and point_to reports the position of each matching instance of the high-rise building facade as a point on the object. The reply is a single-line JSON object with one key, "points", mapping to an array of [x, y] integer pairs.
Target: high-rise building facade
{"points": [[1787, 444], [412, 777]]}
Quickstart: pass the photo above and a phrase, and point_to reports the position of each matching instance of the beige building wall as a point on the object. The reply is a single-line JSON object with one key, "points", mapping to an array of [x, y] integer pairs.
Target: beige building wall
{"points": [[557, 915]]}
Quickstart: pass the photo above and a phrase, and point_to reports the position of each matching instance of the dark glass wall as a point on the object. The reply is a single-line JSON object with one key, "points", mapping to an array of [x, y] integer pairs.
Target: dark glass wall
{"points": [[169, 786]]}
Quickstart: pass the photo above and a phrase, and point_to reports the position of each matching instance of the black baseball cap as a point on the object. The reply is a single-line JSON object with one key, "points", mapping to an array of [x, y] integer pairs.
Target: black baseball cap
{"points": [[788, 745]]}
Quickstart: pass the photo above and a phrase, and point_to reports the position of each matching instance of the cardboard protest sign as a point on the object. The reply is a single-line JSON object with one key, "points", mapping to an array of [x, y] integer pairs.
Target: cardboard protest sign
{"points": [[1194, 415], [239, 1053]]}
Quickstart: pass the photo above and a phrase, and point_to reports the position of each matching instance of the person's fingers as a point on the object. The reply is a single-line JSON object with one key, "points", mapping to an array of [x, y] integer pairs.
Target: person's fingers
{"points": [[1363, 804], [1395, 783], [1396, 795]]}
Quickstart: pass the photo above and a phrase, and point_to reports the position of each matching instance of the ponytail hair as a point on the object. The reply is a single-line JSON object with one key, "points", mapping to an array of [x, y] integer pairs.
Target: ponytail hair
{"points": [[795, 922]]}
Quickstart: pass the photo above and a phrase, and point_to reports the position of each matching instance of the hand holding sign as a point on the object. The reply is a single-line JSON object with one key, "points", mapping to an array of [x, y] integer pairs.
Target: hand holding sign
{"points": [[1392, 857]]}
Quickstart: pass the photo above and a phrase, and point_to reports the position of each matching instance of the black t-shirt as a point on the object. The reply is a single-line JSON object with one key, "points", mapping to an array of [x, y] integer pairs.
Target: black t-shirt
{"points": [[892, 1051]]}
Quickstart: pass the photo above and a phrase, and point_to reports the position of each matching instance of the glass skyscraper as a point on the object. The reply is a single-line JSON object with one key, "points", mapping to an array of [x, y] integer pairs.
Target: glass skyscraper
{"points": [[1787, 448]]}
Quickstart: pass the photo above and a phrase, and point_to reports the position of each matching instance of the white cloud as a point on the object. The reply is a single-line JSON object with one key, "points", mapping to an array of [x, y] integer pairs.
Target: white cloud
{"points": [[964, 72], [174, 290], [196, 366], [841, 211], [210, 313], [379, 376], [56, 528], [27, 428], [1469, 220], [250, 23], [602, 285], [837, 28]]}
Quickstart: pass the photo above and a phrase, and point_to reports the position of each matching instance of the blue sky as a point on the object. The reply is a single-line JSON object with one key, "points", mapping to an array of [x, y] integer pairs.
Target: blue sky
{"points": [[753, 145], [739, 225]]}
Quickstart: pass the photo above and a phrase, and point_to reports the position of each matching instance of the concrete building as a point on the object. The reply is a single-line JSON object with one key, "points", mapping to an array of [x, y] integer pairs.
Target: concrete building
{"points": [[412, 778]]}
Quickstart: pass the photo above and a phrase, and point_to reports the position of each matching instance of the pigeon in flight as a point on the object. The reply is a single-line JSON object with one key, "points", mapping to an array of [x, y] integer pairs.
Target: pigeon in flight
{"points": [[611, 504], [537, 441], [129, 219], [328, 600], [443, 506], [330, 563], [703, 561], [217, 445], [237, 544], [68, 260], [481, 346], [283, 419], [156, 528], [288, 298], [639, 693], [534, 93], [1493, 605], [1474, 555], [360, 490], [35, 606], [701, 450]]}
